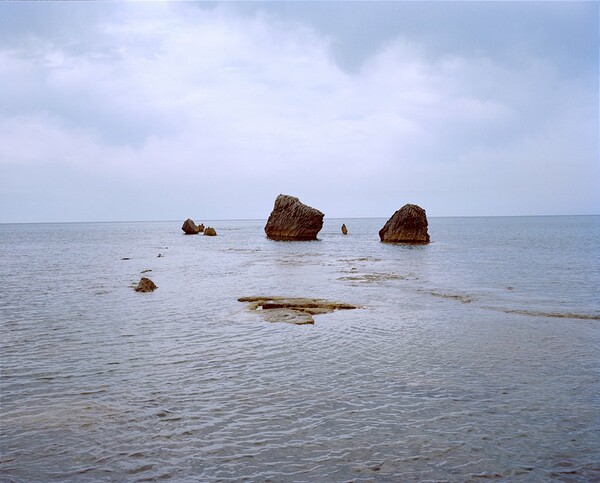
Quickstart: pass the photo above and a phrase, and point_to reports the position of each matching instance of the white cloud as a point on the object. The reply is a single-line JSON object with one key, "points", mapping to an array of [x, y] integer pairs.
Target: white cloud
{"points": [[182, 97]]}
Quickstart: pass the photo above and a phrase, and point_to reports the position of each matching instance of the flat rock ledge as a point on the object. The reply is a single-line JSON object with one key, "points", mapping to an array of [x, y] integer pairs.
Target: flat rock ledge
{"points": [[297, 311], [293, 220], [145, 285], [407, 225]]}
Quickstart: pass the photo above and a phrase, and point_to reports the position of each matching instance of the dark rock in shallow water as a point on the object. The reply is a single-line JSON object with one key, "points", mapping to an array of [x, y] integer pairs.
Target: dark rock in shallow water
{"points": [[297, 311], [344, 229], [190, 228], [293, 220], [407, 225], [145, 285], [209, 231]]}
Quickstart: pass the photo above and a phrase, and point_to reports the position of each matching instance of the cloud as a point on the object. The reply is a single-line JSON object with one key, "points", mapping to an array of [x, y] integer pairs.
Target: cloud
{"points": [[217, 106]]}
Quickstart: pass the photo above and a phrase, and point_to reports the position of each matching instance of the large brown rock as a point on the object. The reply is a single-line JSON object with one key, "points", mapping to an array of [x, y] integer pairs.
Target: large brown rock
{"points": [[407, 225], [210, 231], [190, 228], [293, 220]]}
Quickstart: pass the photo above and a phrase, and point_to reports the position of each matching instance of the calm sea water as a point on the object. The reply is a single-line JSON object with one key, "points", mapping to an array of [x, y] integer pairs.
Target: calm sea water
{"points": [[475, 356]]}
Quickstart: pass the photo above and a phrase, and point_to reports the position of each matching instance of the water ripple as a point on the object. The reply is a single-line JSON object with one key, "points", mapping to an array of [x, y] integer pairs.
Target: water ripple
{"points": [[428, 382]]}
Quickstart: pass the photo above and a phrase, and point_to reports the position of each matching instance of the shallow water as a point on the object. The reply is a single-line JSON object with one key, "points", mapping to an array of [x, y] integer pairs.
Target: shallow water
{"points": [[473, 357]]}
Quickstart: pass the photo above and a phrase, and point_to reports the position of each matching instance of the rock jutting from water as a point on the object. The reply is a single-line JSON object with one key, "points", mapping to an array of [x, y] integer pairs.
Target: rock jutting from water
{"points": [[145, 285], [209, 231], [407, 225], [344, 229], [293, 220], [297, 311], [190, 228]]}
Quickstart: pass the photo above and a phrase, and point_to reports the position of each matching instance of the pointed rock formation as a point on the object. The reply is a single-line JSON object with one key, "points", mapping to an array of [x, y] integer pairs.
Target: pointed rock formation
{"points": [[344, 229], [190, 228], [145, 285], [293, 220], [407, 225]]}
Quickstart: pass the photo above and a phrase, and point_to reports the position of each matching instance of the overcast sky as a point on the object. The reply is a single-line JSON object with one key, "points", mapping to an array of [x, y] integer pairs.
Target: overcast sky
{"points": [[163, 111]]}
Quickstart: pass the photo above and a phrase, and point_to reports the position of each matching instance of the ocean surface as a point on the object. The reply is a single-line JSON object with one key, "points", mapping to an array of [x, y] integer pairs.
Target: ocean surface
{"points": [[474, 357]]}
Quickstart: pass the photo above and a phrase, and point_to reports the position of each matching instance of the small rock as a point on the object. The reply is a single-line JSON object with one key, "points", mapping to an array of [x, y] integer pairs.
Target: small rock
{"points": [[209, 231], [344, 229], [145, 285], [201, 228], [189, 227]]}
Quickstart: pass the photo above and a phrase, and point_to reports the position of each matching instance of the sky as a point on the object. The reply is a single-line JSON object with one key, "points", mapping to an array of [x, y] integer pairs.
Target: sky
{"points": [[163, 111]]}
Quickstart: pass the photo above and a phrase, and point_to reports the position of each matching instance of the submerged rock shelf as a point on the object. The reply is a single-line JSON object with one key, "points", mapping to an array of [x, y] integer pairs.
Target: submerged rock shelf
{"points": [[297, 311]]}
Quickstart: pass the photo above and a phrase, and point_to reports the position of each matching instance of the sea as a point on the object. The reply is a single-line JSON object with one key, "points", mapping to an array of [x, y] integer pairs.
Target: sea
{"points": [[473, 357]]}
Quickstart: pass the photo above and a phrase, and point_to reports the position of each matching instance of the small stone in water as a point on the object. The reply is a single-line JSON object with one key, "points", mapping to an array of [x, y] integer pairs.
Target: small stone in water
{"points": [[145, 285]]}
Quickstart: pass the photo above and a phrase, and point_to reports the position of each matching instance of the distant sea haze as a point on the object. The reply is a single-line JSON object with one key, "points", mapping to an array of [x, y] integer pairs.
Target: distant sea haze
{"points": [[474, 356]]}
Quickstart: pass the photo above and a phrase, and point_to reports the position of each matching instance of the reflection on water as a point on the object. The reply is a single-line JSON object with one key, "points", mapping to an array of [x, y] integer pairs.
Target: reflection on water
{"points": [[472, 357]]}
